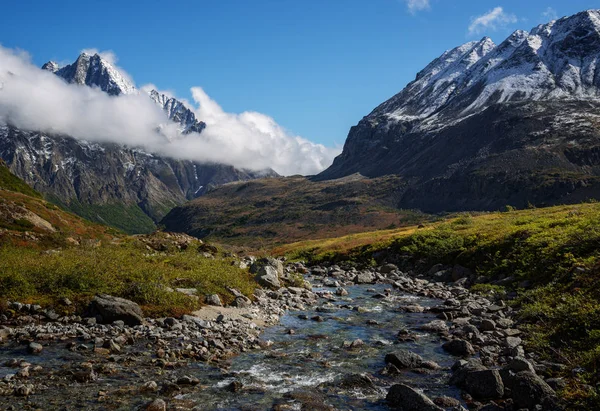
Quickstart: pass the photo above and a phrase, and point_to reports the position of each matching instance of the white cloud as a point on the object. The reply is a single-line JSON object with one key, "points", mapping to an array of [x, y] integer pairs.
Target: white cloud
{"points": [[34, 99], [492, 20], [417, 5], [550, 14]]}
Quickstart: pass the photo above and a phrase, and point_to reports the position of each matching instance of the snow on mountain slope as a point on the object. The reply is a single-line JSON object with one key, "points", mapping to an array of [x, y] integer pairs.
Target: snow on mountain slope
{"points": [[486, 125], [554, 61], [94, 71], [178, 112]]}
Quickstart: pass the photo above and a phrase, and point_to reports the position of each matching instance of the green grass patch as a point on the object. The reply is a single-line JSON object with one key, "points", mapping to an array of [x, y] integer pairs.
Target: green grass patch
{"points": [[125, 270], [130, 219], [9, 181]]}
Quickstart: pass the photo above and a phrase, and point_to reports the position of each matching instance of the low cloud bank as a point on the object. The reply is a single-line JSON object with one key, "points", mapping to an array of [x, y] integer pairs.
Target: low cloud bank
{"points": [[34, 99]]}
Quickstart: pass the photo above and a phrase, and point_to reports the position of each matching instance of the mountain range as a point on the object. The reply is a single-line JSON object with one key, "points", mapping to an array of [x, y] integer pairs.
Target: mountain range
{"points": [[482, 127], [122, 186], [486, 125]]}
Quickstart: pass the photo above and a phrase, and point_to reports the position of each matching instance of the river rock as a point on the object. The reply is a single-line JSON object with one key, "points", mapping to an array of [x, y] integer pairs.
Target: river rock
{"points": [[487, 325], [519, 364], [404, 398], [213, 299], [149, 386], [447, 402], [267, 262], [111, 309], [342, 292], [267, 277], [364, 278], [188, 380], [241, 302], [362, 381], [412, 308], [404, 359], [460, 348], [438, 326], [23, 390], [157, 405], [529, 390], [512, 342], [388, 268], [484, 385], [34, 348]]}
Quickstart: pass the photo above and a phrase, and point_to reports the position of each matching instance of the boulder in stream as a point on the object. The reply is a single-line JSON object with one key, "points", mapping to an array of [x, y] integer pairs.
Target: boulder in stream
{"points": [[110, 308], [404, 359], [404, 398]]}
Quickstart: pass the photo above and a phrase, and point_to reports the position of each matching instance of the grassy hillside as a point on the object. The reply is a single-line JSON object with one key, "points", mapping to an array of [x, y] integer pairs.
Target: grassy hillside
{"points": [[10, 182], [123, 268], [272, 211], [47, 254], [551, 256], [130, 219]]}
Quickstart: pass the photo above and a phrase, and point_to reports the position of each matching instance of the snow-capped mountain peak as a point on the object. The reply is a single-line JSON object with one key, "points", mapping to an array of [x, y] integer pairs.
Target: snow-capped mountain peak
{"points": [[438, 81], [92, 70], [51, 66], [557, 60], [178, 112]]}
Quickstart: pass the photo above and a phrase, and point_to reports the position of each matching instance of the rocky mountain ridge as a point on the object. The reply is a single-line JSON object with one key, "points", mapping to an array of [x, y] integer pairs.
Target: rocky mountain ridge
{"points": [[483, 126], [110, 183]]}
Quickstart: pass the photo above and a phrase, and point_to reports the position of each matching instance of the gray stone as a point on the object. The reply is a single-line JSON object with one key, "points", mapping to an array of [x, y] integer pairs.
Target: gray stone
{"points": [[388, 268], [459, 348], [512, 342], [23, 390], [484, 385], [188, 380], [111, 309], [404, 398], [267, 277], [200, 323], [404, 359], [149, 386], [364, 278], [213, 299], [519, 364], [241, 302], [437, 326], [529, 390], [487, 325], [34, 348], [157, 405]]}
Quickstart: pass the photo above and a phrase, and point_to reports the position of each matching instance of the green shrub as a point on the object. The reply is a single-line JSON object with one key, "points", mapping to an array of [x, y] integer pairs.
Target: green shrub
{"points": [[125, 270]]}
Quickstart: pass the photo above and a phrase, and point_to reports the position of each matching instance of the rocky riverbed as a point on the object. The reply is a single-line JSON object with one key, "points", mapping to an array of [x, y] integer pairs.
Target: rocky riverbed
{"points": [[358, 339]]}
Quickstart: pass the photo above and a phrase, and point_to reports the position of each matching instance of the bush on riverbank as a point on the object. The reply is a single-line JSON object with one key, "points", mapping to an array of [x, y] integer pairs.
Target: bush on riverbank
{"points": [[126, 269]]}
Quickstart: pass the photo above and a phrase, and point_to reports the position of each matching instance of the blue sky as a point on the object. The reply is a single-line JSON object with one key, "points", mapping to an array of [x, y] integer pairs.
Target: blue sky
{"points": [[316, 66]]}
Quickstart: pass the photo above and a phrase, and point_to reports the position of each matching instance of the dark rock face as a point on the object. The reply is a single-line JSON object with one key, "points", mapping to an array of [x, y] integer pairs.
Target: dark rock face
{"points": [[112, 309], [110, 183], [498, 157], [92, 70], [178, 112], [404, 398], [81, 174], [484, 126]]}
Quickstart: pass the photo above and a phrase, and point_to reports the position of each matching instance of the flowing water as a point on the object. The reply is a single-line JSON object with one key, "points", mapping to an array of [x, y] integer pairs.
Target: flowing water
{"points": [[305, 366], [313, 361]]}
